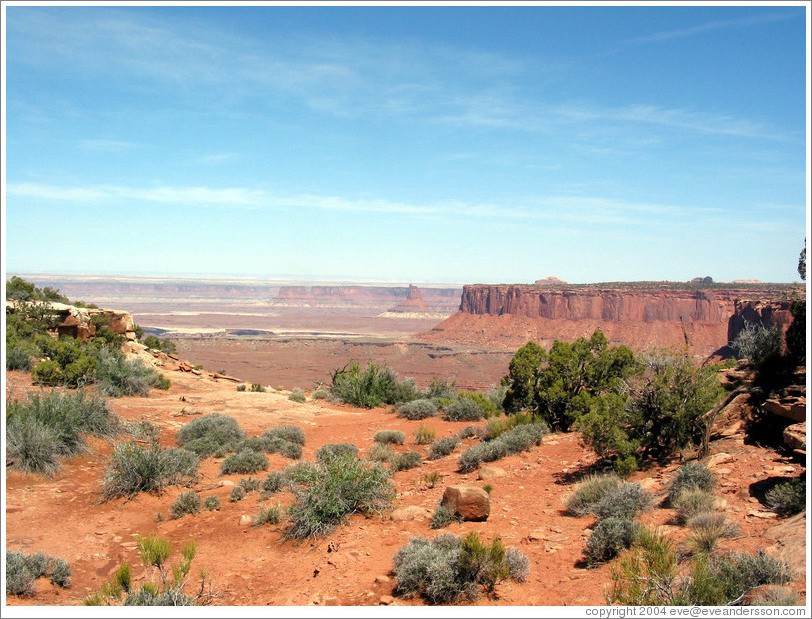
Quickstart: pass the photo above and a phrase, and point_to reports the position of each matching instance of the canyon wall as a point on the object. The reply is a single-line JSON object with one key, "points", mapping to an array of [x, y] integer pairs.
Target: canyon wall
{"points": [[372, 297], [641, 316]]}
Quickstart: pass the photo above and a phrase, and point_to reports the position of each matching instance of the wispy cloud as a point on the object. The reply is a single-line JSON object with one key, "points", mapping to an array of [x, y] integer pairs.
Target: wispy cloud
{"points": [[721, 24], [107, 146], [558, 209]]}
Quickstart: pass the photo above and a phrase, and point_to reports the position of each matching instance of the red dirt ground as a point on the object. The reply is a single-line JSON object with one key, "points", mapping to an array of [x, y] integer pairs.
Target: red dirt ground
{"points": [[254, 566]]}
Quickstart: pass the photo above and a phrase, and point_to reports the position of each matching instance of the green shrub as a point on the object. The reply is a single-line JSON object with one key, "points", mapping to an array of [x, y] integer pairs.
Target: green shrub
{"points": [[23, 570], [241, 387], [432, 479], [117, 376], [257, 388], [442, 447], [134, 469], [690, 503], [186, 503], [609, 538], [423, 435], [471, 432], [443, 517], [43, 428], [407, 460], [18, 358], [390, 437], [517, 564], [449, 570], [246, 461], [626, 501], [169, 588], [237, 494], [250, 484], [297, 395], [497, 396], [302, 473], [320, 394], [464, 409], [381, 453], [376, 386], [211, 503], [589, 494], [48, 372], [521, 438], [757, 343], [274, 482], [691, 476], [707, 529], [333, 450], [441, 388], [206, 434], [293, 434], [489, 409], [417, 409], [268, 514], [488, 488], [787, 497], [340, 485]]}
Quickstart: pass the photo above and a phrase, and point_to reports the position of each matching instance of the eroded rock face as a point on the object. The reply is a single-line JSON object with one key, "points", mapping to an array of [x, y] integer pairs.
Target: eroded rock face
{"points": [[467, 502], [78, 321], [644, 316]]}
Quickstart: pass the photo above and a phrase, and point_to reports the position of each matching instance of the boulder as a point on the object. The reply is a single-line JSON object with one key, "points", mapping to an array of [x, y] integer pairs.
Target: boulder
{"points": [[491, 472], [795, 436], [411, 512], [788, 542], [467, 502], [790, 406]]}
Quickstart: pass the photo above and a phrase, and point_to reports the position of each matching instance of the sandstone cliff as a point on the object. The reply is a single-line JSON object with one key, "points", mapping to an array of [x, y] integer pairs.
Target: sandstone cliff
{"points": [[78, 321], [640, 316]]}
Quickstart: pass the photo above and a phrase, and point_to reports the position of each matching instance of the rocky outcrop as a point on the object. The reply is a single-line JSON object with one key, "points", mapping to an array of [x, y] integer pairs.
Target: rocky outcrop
{"points": [[790, 403], [80, 322], [380, 298], [642, 315], [467, 502], [795, 436]]}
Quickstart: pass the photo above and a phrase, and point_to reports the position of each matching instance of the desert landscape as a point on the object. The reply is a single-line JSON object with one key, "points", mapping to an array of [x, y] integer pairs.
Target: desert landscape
{"points": [[353, 566]]}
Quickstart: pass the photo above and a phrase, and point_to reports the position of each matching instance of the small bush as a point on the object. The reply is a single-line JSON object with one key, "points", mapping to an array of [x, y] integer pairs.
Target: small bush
{"points": [[293, 434], [339, 486], [471, 432], [417, 409], [297, 395], [442, 447], [209, 433], [449, 570], [707, 529], [241, 387], [464, 409], [48, 373], [441, 389], [432, 479], [22, 571], [246, 461], [407, 460], [521, 438], [211, 503], [488, 488], [44, 428], [117, 376], [390, 437], [626, 501], [320, 394], [443, 517], [133, 469], [250, 484], [18, 358], [269, 514], [257, 388], [471, 458], [381, 453], [285, 448], [787, 497], [423, 435], [376, 386], [274, 482], [333, 450], [186, 503], [237, 494], [489, 409], [302, 473], [589, 494], [691, 475], [690, 503], [497, 396], [609, 538]]}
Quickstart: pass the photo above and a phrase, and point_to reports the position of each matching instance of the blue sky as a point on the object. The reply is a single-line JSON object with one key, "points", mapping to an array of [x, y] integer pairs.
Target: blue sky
{"points": [[407, 143]]}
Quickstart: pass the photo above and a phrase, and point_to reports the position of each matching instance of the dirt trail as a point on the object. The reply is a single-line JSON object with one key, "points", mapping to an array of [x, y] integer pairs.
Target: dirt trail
{"points": [[255, 566]]}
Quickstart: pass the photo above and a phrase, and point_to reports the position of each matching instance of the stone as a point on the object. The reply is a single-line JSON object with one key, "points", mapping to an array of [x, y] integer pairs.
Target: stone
{"points": [[718, 458], [226, 482], [382, 579], [246, 520], [491, 472], [795, 436], [756, 513], [410, 512], [386, 600], [467, 502], [789, 542], [789, 406]]}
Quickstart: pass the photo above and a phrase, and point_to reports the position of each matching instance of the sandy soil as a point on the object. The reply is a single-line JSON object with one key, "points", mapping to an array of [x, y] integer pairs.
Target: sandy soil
{"points": [[254, 566]]}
